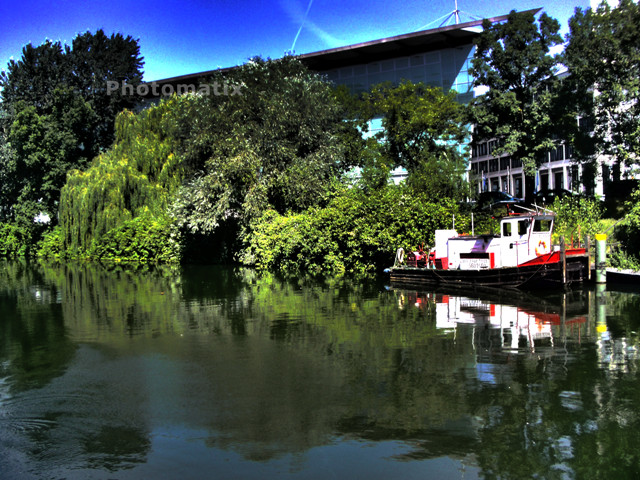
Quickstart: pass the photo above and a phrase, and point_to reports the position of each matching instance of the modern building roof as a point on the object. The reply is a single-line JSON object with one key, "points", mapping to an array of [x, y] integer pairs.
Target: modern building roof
{"points": [[375, 50], [400, 45]]}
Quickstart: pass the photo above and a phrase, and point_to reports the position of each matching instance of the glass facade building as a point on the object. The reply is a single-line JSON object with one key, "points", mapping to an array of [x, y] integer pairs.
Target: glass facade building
{"points": [[447, 68]]}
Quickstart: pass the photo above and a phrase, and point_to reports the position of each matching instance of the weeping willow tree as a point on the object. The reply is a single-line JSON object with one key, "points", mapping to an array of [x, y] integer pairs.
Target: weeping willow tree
{"points": [[136, 177]]}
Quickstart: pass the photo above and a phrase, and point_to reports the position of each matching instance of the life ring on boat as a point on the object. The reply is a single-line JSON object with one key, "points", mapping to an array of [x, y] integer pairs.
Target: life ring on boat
{"points": [[541, 249], [400, 256]]}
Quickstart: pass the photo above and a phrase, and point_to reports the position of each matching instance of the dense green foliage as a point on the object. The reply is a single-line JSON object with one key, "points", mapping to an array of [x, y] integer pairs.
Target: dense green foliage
{"points": [[14, 240], [57, 115], [576, 217], [512, 60], [46, 147], [603, 58], [274, 144], [84, 67], [423, 130], [143, 239], [357, 232], [627, 232], [51, 246], [137, 176]]}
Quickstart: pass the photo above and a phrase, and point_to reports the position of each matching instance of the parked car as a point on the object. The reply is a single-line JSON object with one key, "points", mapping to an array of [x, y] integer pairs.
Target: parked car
{"points": [[546, 196], [489, 201]]}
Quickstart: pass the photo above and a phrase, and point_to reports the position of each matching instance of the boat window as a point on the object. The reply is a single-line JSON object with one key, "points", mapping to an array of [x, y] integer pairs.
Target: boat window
{"points": [[523, 225], [542, 226], [506, 229]]}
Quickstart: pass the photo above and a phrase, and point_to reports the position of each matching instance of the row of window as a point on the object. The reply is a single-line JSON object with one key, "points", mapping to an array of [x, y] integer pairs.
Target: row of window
{"points": [[495, 165], [561, 152]]}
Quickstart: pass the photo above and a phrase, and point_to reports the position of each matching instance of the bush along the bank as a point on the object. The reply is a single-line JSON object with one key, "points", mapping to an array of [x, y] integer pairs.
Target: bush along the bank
{"points": [[576, 217], [355, 233], [17, 240], [52, 245], [143, 239]]}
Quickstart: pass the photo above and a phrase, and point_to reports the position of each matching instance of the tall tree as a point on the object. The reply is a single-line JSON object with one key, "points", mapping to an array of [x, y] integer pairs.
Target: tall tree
{"points": [[7, 170], [96, 59], [32, 79], [271, 142], [137, 176], [58, 114], [512, 61], [603, 58], [46, 147]]}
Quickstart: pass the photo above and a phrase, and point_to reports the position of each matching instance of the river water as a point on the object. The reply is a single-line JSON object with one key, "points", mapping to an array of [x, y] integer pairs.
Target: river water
{"points": [[210, 372]]}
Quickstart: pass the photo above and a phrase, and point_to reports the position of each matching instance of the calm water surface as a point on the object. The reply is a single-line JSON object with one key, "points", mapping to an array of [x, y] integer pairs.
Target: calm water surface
{"points": [[214, 372]]}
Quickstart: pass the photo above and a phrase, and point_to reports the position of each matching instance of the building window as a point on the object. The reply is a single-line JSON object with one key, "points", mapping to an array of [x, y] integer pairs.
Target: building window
{"points": [[504, 163], [517, 186], [493, 165], [575, 178], [558, 178], [544, 181]]}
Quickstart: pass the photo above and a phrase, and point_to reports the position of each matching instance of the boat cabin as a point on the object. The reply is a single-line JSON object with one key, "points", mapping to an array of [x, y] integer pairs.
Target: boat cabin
{"points": [[522, 238]]}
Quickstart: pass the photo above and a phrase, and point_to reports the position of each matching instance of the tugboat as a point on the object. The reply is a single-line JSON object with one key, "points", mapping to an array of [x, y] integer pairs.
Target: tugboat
{"points": [[521, 256]]}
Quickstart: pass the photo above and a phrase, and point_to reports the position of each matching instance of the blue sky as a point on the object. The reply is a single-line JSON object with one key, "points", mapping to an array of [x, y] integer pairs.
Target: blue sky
{"points": [[189, 36]]}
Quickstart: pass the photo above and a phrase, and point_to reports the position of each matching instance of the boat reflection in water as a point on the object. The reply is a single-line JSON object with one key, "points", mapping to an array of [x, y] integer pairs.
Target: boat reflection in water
{"points": [[522, 324], [545, 327]]}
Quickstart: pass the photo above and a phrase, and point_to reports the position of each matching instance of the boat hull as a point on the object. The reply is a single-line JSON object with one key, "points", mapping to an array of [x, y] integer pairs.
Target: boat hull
{"points": [[539, 275]]}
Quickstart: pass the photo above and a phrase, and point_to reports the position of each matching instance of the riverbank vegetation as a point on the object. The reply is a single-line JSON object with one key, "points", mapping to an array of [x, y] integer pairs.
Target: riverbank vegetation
{"points": [[283, 171]]}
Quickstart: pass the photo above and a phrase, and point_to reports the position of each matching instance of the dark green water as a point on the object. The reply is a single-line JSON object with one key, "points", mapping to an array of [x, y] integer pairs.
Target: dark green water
{"points": [[222, 373]]}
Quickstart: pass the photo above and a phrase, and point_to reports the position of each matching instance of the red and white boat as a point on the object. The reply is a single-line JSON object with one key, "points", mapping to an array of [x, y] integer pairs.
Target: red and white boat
{"points": [[521, 256]]}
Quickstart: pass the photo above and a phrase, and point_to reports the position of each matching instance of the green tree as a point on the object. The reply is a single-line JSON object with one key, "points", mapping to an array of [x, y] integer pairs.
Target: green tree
{"points": [[423, 131], [418, 121], [603, 59], [58, 114], [7, 169], [136, 177], [361, 149], [46, 147], [34, 77], [96, 59], [513, 63], [275, 143]]}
